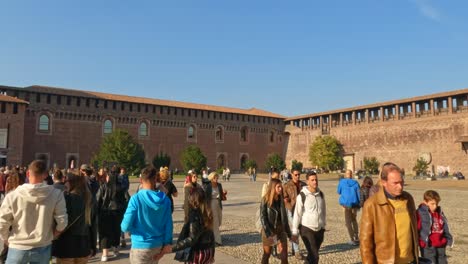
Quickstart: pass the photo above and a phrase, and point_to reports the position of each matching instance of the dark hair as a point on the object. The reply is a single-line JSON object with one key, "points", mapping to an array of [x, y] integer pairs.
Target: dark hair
{"points": [[367, 182], [387, 168], [38, 167], [58, 175], [197, 201], [431, 195], [312, 173], [148, 174], [78, 185]]}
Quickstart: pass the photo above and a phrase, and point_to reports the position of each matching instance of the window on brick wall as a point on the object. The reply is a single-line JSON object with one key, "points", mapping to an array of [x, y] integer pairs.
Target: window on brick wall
{"points": [[108, 127], [191, 132], [3, 107], [15, 108], [143, 131], [44, 123]]}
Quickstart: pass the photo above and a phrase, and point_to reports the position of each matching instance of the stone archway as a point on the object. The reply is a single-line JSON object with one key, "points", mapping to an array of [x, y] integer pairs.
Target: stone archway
{"points": [[243, 160], [221, 161]]}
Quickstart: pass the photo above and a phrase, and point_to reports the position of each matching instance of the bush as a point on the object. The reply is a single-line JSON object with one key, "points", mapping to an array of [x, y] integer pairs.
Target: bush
{"points": [[275, 161], [326, 152], [296, 165], [421, 166], [193, 158], [161, 160], [250, 163], [371, 165]]}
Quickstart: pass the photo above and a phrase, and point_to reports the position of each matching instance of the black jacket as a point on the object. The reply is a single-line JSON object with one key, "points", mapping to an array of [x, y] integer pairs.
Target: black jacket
{"points": [[79, 238], [268, 216], [111, 196], [194, 234]]}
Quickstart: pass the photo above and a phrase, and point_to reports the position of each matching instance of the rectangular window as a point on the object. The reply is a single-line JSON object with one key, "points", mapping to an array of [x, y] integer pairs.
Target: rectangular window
{"points": [[38, 98], [122, 106], [209, 114], [146, 108], [196, 113], [68, 100], [189, 112], [105, 104], [87, 102], [131, 107], [202, 113], [139, 108], [3, 108], [154, 109], [96, 103], [175, 111], [168, 110], [114, 105], [59, 99], [48, 98], [214, 115], [15, 108], [161, 109], [26, 96], [78, 101], [182, 112]]}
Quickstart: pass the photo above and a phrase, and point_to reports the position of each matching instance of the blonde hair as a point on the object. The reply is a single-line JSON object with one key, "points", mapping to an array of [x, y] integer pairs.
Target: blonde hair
{"points": [[212, 175], [271, 191], [164, 175]]}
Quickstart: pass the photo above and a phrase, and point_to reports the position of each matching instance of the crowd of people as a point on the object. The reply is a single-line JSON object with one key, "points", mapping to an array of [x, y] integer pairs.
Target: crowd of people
{"points": [[68, 214]]}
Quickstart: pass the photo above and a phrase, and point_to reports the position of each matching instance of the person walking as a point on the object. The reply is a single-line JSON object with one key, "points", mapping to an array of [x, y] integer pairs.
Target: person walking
{"points": [[78, 242], [169, 187], [274, 221], [190, 185], [366, 186], [36, 213], [388, 230], [148, 219], [215, 195], [348, 189], [310, 218], [290, 193]]}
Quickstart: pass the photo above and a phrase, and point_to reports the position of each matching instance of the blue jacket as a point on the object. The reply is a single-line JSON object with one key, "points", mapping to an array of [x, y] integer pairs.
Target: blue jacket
{"points": [[348, 189], [149, 220]]}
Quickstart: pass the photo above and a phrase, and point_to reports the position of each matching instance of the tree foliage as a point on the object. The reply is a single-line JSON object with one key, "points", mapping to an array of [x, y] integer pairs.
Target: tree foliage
{"points": [[296, 165], [371, 165], [161, 160], [122, 149], [250, 163], [421, 166], [326, 152], [192, 158], [275, 161]]}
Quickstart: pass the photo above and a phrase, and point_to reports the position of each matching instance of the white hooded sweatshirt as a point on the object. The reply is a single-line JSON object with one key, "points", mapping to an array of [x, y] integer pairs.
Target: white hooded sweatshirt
{"points": [[311, 214], [33, 211]]}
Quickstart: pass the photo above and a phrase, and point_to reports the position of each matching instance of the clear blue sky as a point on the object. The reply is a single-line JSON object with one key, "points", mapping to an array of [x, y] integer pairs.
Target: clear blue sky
{"points": [[288, 57]]}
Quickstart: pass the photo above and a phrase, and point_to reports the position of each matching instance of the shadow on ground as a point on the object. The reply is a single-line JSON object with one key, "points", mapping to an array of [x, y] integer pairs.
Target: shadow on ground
{"points": [[234, 240], [331, 249]]}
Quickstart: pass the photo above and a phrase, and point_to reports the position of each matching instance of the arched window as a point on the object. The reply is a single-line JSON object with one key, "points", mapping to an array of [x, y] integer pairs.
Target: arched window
{"points": [[107, 126], [143, 131], [191, 132], [244, 134], [219, 133], [44, 123]]}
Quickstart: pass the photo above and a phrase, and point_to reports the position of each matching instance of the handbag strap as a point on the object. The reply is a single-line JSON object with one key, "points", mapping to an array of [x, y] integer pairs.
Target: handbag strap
{"points": [[68, 226]]}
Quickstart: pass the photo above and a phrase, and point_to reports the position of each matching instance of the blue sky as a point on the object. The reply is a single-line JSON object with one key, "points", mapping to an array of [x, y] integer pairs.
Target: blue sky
{"points": [[288, 57]]}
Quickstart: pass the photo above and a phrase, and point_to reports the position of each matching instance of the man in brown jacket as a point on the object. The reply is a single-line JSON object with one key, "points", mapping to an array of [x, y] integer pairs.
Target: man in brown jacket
{"points": [[290, 192], [388, 231]]}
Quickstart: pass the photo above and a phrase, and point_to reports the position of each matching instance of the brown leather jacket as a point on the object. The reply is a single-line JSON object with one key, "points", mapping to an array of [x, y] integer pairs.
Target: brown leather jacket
{"points": [[377, 230], [290, 194]]}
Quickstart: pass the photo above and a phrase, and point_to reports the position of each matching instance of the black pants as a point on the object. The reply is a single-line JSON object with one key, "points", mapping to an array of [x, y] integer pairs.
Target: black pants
{"points": [[312, 241], [436, 255]]}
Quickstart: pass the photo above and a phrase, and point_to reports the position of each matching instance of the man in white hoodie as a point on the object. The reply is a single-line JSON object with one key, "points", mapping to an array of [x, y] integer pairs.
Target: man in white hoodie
{"points": [[310, 214], [36, 212]]}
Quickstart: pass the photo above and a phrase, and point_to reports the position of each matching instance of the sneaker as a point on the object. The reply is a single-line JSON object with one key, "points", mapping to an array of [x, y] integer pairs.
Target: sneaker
{"points": [[352, 243], [104, 259], [116, 251]]}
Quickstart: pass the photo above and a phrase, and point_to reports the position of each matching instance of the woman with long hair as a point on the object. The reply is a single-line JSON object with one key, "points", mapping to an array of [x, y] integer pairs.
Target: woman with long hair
{"points": [[274, 220], [200, 227], [365, 189], [191, 184], [170, 188], [12, 182], [111, 204], [78, 241], [215, 195]]}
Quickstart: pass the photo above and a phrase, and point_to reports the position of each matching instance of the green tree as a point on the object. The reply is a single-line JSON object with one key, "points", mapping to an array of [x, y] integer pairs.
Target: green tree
{"points": [[275, 161], [296, 165], [161, 160], [326, 152], [193, 158], [371, 165], [421, 166], [250, 163], [122, 149]]}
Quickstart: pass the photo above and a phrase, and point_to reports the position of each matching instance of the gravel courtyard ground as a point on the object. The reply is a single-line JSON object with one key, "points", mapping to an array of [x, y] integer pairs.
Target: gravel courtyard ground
{"points": [[242, 244]]}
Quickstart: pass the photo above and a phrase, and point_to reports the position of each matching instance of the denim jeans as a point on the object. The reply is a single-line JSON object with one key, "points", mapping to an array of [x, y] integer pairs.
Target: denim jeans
{"points": [[295, 246], [40, 255]]}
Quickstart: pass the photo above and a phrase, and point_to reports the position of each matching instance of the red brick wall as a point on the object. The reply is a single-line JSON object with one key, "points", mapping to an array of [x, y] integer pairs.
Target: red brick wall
{"points": [[15, 123]]}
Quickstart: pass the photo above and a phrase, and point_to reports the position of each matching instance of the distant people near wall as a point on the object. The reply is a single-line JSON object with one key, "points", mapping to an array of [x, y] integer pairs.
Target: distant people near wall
{"points": [[250, 174], [348, 189], [254, 174], [215, 194], [36, 213], [228, 174], [393, 210]]}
